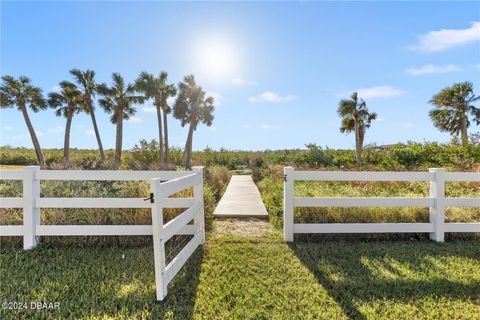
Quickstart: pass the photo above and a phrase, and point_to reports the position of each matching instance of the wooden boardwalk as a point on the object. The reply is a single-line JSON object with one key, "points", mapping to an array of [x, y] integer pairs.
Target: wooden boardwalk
{"points": [[241, 200]]}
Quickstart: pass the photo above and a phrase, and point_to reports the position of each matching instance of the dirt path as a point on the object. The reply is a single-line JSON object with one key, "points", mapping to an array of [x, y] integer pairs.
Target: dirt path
{"points": [[244, 227]]}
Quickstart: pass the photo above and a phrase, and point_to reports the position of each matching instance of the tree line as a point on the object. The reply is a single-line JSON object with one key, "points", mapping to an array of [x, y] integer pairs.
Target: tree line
{"points": [[192, 106], [454, 106]]}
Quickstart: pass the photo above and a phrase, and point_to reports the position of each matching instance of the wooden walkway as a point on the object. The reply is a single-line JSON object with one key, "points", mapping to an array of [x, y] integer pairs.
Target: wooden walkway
{"points": [[241, 200]]}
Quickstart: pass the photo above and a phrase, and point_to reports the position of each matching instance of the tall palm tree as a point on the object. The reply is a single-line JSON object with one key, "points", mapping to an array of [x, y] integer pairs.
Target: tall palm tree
{"points": [[356, 118], [119, 100], [192, 107], [159, 90], [68, 101], [85, 79], [453, 106], [20, 93]]}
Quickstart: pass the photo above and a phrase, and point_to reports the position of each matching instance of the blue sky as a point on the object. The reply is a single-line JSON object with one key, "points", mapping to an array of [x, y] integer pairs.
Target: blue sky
{"points": [[277, 70]]}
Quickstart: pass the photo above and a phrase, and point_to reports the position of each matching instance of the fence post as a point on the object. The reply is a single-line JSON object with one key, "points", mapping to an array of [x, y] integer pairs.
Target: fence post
{"points": [[199, 220], [437, 212], [158, 243], [288, 193], [31, 214]]}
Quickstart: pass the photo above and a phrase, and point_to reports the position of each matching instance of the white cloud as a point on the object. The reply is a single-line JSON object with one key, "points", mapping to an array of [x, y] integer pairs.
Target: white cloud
{"points": [[242, 82], [134, 120], [39, 133], [430, 69], [406, 124], [150, 109], [269, 127], [374, 92], [439, 40], [8, 128], [380, 119], [246, 126], [57, 129], [218, 99], [90, 133], [56, 88], [269, 96]]}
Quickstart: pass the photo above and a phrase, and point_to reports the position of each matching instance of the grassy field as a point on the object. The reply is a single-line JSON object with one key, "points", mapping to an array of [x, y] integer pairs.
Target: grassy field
{"points": [[250, 278], [336, 277]]}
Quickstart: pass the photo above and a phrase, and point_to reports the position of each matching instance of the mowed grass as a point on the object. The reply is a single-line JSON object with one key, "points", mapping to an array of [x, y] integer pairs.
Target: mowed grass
{"points": [[250, 278]]}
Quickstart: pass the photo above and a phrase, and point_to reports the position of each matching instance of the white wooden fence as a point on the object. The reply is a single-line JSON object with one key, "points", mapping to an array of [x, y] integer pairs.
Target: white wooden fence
{"points": [[162, 185], [436, 202]]}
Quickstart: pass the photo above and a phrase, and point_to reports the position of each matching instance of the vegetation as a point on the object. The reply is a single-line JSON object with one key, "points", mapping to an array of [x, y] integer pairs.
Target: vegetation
{"points": [[398, 157], [192, 107], [67, 102], [266, 279], [267, 171], [20, 93], [119, 100], [356, 118], [159, 90], [453, 106], [86, 81]]}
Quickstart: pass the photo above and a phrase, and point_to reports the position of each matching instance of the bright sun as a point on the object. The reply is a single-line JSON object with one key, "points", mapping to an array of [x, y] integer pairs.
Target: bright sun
{"points": [[215, 57]]}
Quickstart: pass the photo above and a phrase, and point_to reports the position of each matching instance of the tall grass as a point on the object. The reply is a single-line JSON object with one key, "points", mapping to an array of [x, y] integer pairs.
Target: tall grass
{"points": [[271, 188]]}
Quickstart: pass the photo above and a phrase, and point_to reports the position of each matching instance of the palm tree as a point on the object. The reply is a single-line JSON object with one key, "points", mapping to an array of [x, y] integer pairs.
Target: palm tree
{"points": [[356, 118], [453, 106], [159, 90], [20, 93], [192, 107], [119, 100], [68, 101], [85, 79]]}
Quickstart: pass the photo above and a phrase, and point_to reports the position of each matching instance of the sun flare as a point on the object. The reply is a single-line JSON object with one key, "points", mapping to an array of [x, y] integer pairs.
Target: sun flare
{"points": [[215, 57]]}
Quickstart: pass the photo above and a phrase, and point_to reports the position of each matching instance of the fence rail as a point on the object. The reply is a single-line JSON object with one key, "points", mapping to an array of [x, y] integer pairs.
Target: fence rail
{"points": [[163, 184], [436, 203]]}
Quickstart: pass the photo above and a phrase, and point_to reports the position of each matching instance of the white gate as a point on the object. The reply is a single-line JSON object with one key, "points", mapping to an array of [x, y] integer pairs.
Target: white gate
{"points": [[163, 232]]}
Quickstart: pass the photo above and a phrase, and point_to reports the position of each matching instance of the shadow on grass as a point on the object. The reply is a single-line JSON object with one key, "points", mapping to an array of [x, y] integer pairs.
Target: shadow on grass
{"points": [[94, 282], [356, 273]]}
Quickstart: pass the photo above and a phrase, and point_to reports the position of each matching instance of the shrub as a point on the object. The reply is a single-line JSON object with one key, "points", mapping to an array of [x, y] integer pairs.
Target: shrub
{"points": [[217, 178]]}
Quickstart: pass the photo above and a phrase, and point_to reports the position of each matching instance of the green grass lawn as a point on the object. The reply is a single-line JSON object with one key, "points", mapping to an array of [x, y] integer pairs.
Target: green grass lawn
{"points": [[250, 278]]}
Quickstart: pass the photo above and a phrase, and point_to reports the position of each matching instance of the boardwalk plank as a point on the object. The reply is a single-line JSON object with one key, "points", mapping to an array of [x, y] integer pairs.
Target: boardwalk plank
{"points": [[241, 200]]}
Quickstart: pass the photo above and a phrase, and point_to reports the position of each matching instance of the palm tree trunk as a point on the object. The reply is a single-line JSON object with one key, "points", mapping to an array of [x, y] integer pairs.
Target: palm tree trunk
{"points": [[119, 136], [165, 128], [358, 148], [66, 144], [36, 144], [188, 146], [97, 134], [160, 133], [463, 131]]}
